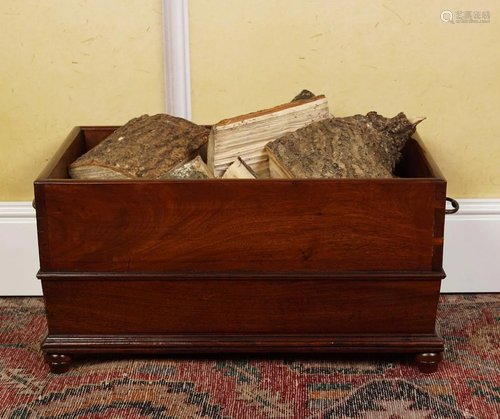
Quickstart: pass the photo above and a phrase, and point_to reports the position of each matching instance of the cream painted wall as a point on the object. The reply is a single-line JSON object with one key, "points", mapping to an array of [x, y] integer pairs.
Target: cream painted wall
{"points": [[364, 55], [71, 62], [79, 62]]}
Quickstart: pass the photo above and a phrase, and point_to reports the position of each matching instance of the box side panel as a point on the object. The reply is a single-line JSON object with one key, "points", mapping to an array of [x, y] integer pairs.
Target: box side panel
{"points": [[439, 219], [416, 162], [41, 226], [413, 163], [241, 226], [68, 152], [95, 135], [205, 306]]}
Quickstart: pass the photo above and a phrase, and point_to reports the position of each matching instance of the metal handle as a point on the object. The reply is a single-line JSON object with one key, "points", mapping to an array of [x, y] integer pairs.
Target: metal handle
{"points": [[454, 204]]}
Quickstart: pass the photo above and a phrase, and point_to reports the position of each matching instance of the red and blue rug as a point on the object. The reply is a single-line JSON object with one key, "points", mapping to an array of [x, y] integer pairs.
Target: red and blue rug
{"points": [[467, 384]]}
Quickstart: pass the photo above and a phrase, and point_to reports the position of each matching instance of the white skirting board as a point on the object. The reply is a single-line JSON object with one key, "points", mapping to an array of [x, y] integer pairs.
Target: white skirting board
{"points": [[471, 254], [472, 247], [18, 250]]}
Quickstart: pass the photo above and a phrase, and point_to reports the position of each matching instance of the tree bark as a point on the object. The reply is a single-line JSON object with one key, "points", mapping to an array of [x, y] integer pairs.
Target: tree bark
{"points": [[353, 147], [146, 148]]}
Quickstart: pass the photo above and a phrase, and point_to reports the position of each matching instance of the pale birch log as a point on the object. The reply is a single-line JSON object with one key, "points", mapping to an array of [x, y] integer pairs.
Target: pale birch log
{"points": [[239, 170], [194, 169], [246, 136]]}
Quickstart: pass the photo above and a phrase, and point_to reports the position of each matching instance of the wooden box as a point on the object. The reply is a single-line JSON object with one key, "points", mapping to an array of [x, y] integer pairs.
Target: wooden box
{"points": [[164, 266]]}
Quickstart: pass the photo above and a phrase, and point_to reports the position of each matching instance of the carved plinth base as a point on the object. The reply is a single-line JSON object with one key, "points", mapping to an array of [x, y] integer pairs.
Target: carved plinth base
{"points": [[429, 347]]}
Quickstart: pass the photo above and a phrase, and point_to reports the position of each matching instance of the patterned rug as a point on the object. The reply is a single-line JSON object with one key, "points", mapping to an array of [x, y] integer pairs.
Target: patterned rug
{"points": [[467, 384]]}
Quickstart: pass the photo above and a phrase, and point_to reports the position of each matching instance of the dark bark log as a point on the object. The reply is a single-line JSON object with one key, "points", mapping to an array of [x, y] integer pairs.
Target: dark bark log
{"points": [[304, 95], [146, 147], [353, 147]]}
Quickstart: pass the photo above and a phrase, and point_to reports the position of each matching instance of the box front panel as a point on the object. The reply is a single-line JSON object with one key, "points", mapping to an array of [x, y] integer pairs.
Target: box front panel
{"points": [[92, 307], [233, 225]]}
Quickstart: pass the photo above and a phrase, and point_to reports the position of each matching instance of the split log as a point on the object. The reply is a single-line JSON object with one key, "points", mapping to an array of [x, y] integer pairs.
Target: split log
{"points": [[240, 170], [194, 169], [246, 136], [146, 148], [353, 147]]}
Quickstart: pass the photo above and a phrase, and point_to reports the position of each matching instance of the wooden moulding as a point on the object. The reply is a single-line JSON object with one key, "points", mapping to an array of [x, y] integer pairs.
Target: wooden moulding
{"points": [[215, 265], [184, 343], [59, 350]]}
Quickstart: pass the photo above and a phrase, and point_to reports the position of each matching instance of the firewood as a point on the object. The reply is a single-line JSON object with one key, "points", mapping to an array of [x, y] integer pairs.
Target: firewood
{"points": [[246, 136], [305, 94], [352, 147], [194, 169], [239, 170], [146, 148]]}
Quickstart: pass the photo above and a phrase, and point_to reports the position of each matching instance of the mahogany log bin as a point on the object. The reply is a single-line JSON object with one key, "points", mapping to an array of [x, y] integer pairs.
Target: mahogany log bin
{"points": [[186, 266]]}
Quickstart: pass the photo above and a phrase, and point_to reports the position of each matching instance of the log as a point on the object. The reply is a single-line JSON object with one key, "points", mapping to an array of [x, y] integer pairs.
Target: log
{"points": [[146, 147], [239, 170], [194, 169], [353, 147], [245, 136], [305, 94]]}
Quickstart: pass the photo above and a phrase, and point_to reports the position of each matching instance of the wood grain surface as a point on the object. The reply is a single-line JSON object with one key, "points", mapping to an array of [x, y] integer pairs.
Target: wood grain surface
{"points": [[229, 306], [328, 265], [281, 225]]}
